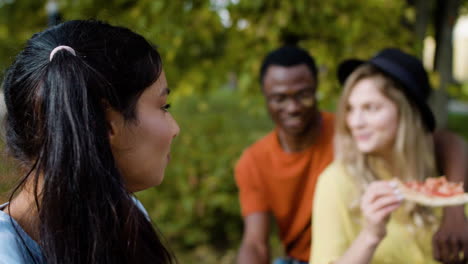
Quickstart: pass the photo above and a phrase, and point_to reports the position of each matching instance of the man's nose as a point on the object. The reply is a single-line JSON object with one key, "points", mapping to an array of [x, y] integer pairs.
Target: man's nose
{"points": [[292, 105]]}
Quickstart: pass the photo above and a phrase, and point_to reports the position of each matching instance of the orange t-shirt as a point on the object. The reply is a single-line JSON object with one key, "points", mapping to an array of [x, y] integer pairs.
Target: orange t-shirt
{"points": [[271, 180]]}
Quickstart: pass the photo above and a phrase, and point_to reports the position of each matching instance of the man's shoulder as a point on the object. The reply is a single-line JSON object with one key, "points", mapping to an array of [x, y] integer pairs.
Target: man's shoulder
{"points": [[328, 120], [328, 115], [262, 145], [257, 154]]}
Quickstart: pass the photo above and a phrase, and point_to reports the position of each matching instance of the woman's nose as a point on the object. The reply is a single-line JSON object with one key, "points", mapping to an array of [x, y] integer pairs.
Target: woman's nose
{"points": [[175, 127], [356, 119]]}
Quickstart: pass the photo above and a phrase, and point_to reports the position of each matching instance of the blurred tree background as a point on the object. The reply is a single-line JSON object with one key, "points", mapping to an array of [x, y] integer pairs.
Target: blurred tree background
{"points": [[212, 50]]}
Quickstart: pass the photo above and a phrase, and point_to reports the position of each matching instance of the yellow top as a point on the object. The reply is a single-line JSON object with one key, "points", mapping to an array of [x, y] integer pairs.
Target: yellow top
{"points": [[335, 225]]}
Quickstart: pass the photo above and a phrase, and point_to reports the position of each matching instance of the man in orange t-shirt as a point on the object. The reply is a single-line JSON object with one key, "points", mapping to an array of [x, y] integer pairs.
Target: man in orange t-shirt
{"points": [[277, 174]]}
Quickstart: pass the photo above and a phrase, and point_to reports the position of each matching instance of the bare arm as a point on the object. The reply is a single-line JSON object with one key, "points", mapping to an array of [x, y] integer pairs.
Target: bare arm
{"points": [[255, 248], [452, 236], [452, 156]]}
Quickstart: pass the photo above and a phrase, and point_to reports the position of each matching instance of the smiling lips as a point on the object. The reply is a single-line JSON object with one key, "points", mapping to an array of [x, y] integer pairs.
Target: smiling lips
{"points": [[293, 121], [363, 137]]}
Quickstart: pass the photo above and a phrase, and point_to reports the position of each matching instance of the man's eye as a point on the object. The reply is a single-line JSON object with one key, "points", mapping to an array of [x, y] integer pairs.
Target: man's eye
{"points": [[306, 93], [278, 98]]}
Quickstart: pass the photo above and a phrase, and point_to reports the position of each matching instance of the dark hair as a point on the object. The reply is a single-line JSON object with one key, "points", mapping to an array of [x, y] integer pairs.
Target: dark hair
{"points": [[288, 56], [56, 126]]}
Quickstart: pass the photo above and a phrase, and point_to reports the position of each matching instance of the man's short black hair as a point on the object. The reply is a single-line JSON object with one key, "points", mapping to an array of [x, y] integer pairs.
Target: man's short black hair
{"points": [[288, 56]]}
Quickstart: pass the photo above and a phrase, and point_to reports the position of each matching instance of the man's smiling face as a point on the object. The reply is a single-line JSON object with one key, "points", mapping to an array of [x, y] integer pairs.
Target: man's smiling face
{"points": [[290, 95]]}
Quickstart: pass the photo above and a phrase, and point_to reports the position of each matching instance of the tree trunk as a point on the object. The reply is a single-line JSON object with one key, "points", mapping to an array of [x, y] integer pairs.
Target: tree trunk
{"points": [[423, 17], [446, 12]]}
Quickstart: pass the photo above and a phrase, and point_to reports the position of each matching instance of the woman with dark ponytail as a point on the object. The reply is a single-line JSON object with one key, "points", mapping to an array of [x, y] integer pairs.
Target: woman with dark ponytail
{"points": [[87, 119]]}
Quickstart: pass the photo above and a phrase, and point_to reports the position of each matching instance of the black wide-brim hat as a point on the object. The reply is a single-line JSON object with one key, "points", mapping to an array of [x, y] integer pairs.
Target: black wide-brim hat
{"points": [[406, 70]]}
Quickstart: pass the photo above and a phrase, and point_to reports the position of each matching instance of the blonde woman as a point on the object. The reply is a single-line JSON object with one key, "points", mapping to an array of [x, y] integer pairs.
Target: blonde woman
{"points": [[383, 131]]}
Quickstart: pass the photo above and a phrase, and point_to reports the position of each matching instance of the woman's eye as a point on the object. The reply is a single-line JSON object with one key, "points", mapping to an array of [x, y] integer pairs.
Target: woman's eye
{"points": [[371, 107], [374, 107], [166, 107]]}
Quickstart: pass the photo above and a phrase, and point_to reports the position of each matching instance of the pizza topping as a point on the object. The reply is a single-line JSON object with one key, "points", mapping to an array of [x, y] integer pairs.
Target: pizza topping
{"points": [[436, 187]]}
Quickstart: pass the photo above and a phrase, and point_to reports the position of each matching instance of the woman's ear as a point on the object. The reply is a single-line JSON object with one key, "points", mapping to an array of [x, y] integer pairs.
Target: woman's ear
{"points": [[115, 124]]}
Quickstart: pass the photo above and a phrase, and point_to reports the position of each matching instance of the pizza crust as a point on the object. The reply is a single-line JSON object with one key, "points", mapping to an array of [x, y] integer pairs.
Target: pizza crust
{"points": [[432, 201]]}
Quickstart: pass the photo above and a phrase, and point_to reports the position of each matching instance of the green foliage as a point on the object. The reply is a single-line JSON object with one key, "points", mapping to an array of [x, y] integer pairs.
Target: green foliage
{"points": [[198, 202], [201, 53], [459, 91], [213, 68], [331, 30], [18, 21]]}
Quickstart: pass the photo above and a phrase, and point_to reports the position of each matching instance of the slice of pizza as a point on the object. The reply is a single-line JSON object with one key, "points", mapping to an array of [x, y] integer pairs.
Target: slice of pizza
{"points": [[434, 192]]}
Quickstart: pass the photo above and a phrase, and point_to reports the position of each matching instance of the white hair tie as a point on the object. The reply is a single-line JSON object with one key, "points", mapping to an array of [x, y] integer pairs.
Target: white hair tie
{"points": [[67, 48]]}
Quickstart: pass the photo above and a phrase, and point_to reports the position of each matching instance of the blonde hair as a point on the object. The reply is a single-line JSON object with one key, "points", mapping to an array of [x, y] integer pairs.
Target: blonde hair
{"points": [[413, 150]]}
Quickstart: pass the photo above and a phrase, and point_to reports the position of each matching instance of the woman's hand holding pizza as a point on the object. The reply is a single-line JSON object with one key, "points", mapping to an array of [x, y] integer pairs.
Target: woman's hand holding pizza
{"points": [[380, 199]]}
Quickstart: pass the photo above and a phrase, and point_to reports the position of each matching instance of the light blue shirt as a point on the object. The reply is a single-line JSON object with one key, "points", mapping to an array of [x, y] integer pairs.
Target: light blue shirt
{"points": [[12, 249], [15, 251]]}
